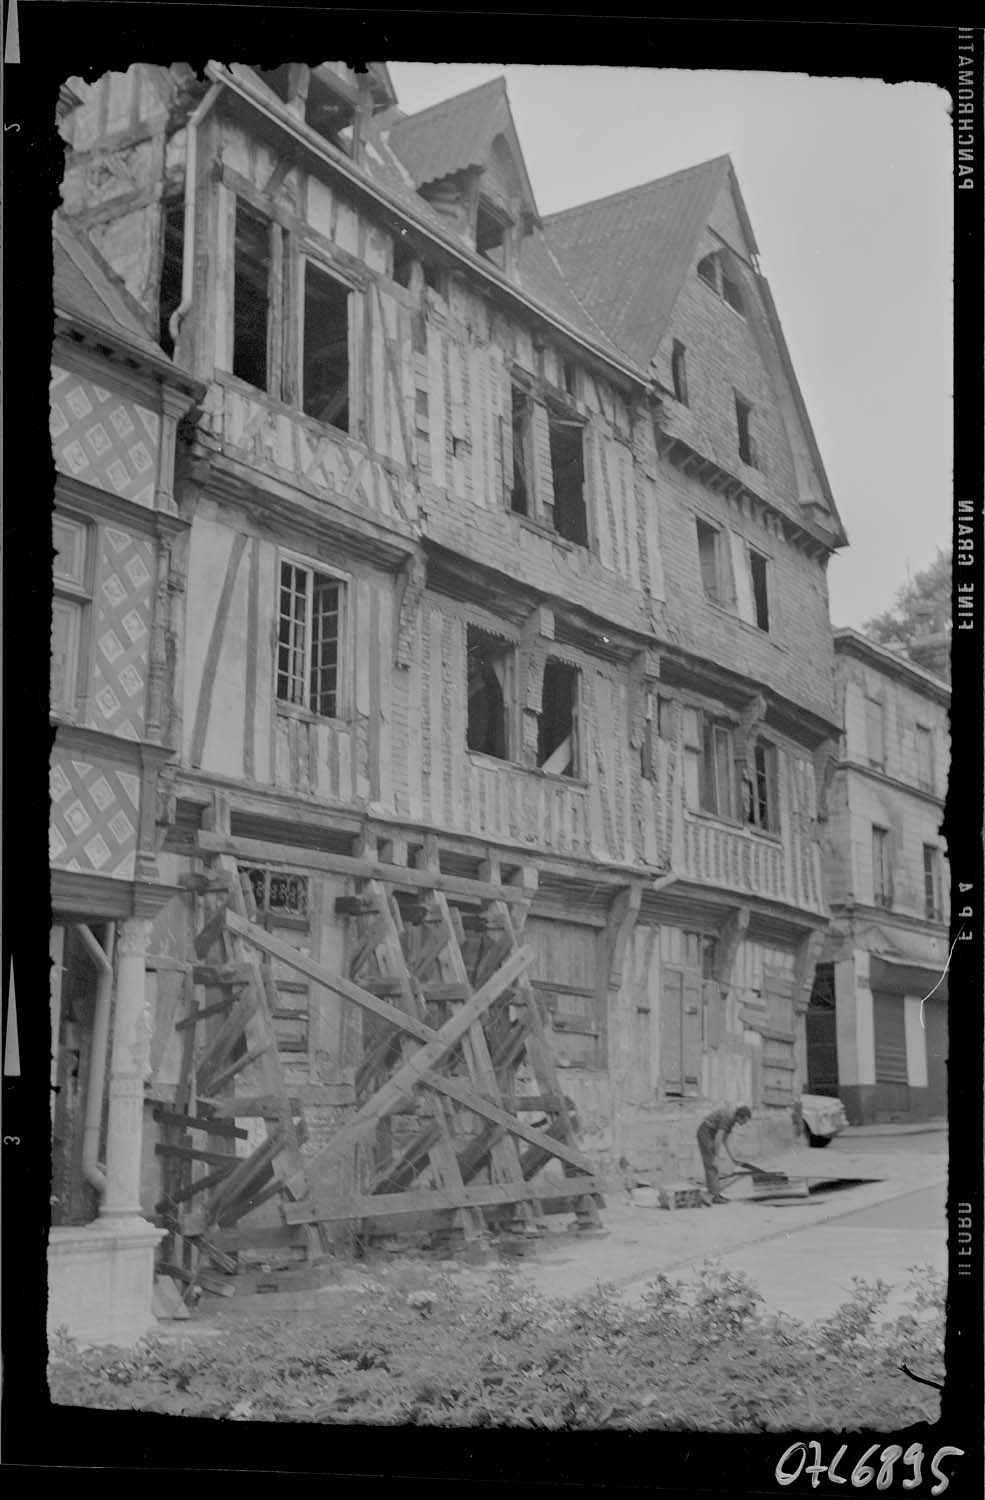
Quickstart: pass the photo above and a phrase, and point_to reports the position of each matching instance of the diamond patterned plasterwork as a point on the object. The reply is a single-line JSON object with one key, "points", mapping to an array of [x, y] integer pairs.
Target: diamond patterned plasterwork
{"points": [[121, 607], [94, 815], [103, 438]]}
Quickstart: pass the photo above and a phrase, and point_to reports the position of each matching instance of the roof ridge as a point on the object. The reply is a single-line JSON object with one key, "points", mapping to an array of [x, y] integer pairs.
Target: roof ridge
{"points": [[439, 104], [642, 187]]}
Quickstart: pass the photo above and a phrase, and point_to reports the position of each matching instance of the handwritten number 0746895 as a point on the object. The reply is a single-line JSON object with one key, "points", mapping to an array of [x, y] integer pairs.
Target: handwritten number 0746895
{"points": [[794, 1460]]}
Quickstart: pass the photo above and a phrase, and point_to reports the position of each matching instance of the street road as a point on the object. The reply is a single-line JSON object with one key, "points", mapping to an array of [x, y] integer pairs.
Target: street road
{"points": [[808, 1272]]}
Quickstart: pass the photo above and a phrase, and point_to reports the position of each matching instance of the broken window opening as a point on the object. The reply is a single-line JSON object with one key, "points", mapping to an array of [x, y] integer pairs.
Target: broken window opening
{"points": [[718, 791], [569, 375], [760, 590], [325, 373], [882, 891], [308, 640], [328, 112], [404, 259], [521, 417], [490, 235], [678, 365], [567, 442], [172, 269], [557, 747], [732, 292], [251, 297], [490, 670], [708, 270], [710, 561], [747, 447]]}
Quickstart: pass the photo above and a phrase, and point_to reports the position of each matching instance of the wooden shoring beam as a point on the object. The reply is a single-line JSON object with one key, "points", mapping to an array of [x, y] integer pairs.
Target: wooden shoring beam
{"points": [[209, 844], [419, 1069], [370, 1206], [442, 1158]]}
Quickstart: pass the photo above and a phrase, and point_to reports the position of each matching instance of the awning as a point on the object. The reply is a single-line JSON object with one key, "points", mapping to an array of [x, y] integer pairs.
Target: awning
{"points": [[901, 976]]}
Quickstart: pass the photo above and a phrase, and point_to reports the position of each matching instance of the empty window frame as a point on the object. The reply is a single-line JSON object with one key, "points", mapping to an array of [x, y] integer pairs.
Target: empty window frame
{"points": [[69, 610], [309, 640], [708, 270], [711, 559], [569, 375], [490, 668], [925, 758], [567, 444], [743, 422], [759, 574], [557, 737], [491, 230], [325, 348], [678, 370], [172, 267], [521, 424], [718, 789], [251, 296], [762, 798], [732, 292], [932, 883], [875, 733], [882, 875]]}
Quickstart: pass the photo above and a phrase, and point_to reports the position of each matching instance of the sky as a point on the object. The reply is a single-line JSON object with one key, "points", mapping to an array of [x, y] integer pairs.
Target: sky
{"points": [[848, 186]]}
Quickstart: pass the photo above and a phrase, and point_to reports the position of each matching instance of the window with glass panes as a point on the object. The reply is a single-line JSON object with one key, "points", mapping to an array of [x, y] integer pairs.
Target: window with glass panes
{"points": [[69, 606], [309, 639]]}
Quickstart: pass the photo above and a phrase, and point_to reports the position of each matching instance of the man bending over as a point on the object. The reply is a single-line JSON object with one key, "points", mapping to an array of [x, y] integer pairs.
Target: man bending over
{"points": [[714, 1131]]}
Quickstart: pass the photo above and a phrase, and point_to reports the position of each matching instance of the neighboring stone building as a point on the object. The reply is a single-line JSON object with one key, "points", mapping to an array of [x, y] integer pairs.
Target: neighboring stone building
{"points": [[877, 1025], [115, 403], [507, 560]]}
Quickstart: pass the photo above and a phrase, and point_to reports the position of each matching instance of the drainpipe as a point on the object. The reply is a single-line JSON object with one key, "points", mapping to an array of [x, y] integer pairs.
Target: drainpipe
{"points": [[103, 958], [191, 176]]}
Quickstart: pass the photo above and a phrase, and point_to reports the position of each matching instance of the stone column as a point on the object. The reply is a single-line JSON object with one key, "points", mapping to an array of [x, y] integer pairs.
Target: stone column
{"points": [[126, 1080]]}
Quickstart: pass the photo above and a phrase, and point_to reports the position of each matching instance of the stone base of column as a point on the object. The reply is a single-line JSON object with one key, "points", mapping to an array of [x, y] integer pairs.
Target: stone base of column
{"points": [[101, 1280]]}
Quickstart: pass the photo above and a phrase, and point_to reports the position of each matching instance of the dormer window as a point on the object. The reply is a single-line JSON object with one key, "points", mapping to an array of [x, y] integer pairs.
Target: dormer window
{"points": [[491, 234], [330, 108]]}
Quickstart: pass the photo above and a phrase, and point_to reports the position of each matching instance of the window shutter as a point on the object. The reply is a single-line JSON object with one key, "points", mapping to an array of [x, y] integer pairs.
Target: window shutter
{"points": [[542, 477], [692, 1035], [506, 450], [743, 578], [773, 780], [671, 1030], [889, 1037]]}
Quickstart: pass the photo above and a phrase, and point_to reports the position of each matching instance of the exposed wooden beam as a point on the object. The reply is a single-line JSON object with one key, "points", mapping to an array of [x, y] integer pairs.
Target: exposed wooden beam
{"points": [[345, 864], [211, 664], [368, 1206]]}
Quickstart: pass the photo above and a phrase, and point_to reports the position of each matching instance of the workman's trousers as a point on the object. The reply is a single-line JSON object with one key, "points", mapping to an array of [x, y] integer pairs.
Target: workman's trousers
{"points": [[706, 1145]]}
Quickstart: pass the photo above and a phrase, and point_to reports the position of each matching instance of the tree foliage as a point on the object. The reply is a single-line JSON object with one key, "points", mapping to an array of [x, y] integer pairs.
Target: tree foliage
{"points": [[922, 607]]}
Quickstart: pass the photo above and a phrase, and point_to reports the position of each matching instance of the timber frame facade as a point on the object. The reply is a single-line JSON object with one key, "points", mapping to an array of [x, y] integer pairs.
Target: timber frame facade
{"points": [[478, 580]]}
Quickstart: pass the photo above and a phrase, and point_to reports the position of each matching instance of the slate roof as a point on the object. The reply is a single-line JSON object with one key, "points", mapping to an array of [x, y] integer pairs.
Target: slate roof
{"points": [[457, 133], [626, 256], [86, 289], [451, 135]]}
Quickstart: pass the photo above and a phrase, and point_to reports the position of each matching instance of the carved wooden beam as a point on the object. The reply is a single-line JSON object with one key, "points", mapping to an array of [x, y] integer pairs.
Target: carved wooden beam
{"points": [[411, 584], [824, 760], [728, 946], [808, 952], [619, 925], [644, 674]]}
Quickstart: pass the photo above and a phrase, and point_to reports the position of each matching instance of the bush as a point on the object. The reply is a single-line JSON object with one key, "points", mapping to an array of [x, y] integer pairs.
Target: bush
{"points": [[696, 1355]]}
